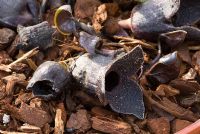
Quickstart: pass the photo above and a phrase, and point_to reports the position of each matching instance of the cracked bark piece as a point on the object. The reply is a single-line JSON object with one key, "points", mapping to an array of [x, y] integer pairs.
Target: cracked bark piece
{"points": [[179, 111], [12, 82], [108, 125], [2, 90], [159, 125], [49, 80], [5, 58], [12, 50], [27, 114], [39, 35], [110, 80], [100, 111]]}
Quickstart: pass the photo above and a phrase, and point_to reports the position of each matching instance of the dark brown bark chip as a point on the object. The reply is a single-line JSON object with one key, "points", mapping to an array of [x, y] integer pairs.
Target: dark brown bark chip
{"points": [[159, 125], [6, 37], [79, 121], [178, 125]]}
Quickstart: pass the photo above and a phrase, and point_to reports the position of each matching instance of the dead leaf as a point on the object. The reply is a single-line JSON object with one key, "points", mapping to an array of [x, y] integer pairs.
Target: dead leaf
{"points": [[84, 9], [190, 75], [112, 9], [23, 97], [99, 17]]}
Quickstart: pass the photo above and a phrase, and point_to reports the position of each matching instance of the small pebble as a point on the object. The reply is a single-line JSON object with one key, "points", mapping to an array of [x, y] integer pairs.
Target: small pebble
{"points": [[6, 119]]}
